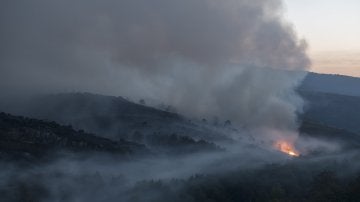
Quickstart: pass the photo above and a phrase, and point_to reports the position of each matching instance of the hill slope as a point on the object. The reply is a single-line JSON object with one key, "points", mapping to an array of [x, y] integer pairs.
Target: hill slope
{"points": [[335, 84], [27, 138], [339, 111], [111, 117]]}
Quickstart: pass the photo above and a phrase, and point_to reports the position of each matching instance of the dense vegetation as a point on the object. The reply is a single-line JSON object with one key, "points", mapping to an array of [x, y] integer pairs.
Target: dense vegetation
{"points": [[288, 182], [273, 183]]}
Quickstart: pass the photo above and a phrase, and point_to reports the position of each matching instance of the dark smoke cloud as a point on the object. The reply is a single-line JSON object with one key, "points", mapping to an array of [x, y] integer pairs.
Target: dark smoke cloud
{"points": [[204, 57]]}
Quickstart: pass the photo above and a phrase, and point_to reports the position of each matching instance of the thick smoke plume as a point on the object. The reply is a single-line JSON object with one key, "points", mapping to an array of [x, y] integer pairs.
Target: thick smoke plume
{"points": [[205, 57]]}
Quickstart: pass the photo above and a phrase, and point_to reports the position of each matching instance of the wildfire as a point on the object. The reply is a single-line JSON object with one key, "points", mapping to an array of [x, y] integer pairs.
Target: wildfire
{"points": [[287, 148]]}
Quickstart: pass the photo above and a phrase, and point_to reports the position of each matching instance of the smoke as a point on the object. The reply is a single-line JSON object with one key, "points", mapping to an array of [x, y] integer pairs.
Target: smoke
{"points": [[207, 58], [107, 179], [234, 59], [104, 178]]}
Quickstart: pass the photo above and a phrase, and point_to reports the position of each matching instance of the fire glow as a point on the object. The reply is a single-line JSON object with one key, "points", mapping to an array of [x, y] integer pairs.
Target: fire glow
{"points": [[287, 148]]}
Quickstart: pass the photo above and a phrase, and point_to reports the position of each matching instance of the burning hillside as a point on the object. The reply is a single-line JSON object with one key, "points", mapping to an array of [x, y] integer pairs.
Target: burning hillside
{"points": [[287, 147]]}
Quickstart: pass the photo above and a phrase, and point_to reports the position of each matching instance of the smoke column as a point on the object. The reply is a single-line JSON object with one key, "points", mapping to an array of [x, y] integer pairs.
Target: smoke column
{"points": [[230, 59]]}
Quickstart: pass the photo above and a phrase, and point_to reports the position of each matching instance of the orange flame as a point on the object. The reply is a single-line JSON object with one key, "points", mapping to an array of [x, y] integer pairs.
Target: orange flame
{"points": [[287, 148]]}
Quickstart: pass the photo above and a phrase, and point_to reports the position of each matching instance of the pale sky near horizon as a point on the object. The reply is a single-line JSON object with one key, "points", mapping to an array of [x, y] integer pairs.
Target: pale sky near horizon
{"points": [[332, 30]]}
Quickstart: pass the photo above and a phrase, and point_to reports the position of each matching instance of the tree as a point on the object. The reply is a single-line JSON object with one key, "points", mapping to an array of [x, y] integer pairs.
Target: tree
{"points": [[142, 102]]}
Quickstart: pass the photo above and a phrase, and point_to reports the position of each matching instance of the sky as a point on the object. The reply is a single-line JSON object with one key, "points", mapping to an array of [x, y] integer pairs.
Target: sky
{"points": [[332, 30]]}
